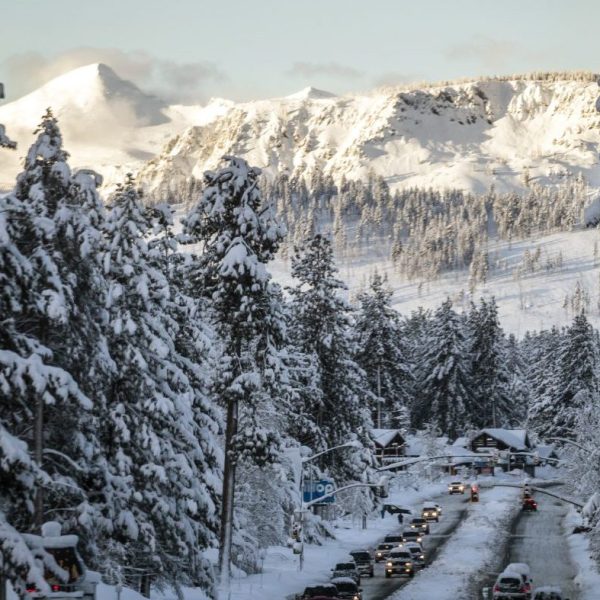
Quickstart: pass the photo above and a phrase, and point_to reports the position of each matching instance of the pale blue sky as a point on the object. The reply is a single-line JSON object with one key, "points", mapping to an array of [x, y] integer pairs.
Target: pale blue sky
{"points": [[261, 48]]}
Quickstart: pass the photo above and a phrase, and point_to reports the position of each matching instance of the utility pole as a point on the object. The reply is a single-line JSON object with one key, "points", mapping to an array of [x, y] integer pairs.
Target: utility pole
{"points": [[378, 397]]}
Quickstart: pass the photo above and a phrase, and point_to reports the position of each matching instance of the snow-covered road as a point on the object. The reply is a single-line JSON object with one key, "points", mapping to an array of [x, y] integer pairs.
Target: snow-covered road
{"points": [[454, 510], [538, 539]]}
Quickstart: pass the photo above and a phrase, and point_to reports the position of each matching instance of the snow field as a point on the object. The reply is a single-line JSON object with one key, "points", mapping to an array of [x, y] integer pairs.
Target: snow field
{"points": [[469, 552]]}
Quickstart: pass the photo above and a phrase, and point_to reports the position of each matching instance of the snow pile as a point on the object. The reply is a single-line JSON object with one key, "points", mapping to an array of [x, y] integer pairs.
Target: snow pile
{"points": [[588, 577], [470, 550]]}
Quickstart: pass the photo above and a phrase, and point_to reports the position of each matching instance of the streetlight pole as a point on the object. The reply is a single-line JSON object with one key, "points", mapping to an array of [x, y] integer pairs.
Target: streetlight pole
{"points": [[303, 506]]}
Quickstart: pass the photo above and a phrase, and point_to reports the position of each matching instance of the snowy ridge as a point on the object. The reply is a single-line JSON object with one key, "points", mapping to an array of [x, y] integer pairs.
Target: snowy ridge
{"points": [[470, 136], [467, 135]]}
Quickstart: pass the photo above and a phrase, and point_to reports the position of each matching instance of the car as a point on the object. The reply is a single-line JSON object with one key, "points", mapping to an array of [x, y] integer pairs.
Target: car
{"points": [[346, 569], [509, 586], [418, 554], [399, 562], [411, 535], [419, 524], [456, 487], [430, 512], [319, 591], [529, 505], [364, 562], [382, 551], [347, 588], [524, 571], [396, 539]]}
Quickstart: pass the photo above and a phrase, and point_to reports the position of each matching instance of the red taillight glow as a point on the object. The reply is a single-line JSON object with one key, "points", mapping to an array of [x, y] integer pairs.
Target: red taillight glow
{"points": [[496, 588], [56, 588], [31, 590]]}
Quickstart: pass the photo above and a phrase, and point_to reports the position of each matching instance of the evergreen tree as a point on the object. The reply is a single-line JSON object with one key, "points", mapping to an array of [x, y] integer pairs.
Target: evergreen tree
{"points": [[240, 235], [578, 382], [322, 328], [158, 468], [447, 386], [381, 354], [492, 405]]}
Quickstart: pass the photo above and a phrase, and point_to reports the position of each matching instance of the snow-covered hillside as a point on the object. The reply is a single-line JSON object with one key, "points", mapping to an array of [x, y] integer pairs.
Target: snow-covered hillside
{"points": [[530, 297]]}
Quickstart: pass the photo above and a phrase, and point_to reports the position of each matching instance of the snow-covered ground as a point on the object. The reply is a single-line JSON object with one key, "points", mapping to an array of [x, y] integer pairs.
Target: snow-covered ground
{"points": [[588, 576]]}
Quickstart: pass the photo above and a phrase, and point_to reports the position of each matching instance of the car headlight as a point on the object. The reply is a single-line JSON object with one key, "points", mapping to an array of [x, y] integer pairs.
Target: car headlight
{"points": [[389, 564], [379, 554], [408, 565]]}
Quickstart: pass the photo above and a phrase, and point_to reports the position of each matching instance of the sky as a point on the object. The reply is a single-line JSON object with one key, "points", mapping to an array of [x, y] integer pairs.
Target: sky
{"points": [[191, 50]]}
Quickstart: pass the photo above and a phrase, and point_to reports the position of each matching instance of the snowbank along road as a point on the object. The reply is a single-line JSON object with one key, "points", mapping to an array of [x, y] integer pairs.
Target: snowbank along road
{"points": [[454, 510]]}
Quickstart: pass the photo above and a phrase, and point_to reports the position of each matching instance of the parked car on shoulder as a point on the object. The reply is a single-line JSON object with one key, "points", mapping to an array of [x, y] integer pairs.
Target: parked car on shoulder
{"points": [[399, 562], [430, 512], [456, 487], [418, 554], [319, 591], [364, 562], [509, 586], [382, 551], [419, 524], [347, 588], [411, 535], [346, 569]]}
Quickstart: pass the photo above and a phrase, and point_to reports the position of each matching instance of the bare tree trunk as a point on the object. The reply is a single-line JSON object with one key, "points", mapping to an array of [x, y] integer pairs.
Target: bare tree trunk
{"points": [[226, 532], [38, 451], [2, 588]]}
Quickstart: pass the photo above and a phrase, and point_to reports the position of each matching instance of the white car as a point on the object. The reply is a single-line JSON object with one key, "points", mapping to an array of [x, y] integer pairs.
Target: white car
{"points": [[510, 586], [456, 487]]}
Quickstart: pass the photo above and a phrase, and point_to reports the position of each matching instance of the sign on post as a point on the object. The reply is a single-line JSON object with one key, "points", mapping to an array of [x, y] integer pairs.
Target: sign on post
{"points": [[318, 490]]}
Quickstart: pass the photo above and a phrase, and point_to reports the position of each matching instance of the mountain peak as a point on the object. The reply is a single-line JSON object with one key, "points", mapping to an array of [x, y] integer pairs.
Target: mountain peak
{"points": [[310, 93]]}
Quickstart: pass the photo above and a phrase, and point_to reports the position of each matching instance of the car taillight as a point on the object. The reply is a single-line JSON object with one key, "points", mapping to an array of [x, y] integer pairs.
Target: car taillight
{"points": [[31, 590], [56, 588], [526, 588], [496, 588]]}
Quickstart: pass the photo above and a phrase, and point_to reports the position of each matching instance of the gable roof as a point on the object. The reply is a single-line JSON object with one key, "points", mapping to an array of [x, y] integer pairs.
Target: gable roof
{"points": [[513, 438], [384, 437]]}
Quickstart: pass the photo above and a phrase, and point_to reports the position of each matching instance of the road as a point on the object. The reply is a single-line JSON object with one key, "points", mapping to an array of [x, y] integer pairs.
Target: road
{"points": [[454, 509], [537, 539]]}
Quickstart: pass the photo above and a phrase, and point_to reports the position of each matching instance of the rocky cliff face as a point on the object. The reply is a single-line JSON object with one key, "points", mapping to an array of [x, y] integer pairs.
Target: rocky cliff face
{"points": [[469, 136]]}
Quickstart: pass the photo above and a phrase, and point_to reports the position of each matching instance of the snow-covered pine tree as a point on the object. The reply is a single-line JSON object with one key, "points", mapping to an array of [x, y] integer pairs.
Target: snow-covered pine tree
{"points": [[158, 462], [542, 352], [492, 405], [578, 380], [322, 327], [32, 304], [239, 235], [382, 355], [446, 385]]}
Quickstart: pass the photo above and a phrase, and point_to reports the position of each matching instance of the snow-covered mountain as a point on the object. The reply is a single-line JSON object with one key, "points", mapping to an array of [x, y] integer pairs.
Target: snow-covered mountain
{"points": [[468, 135], [108, 123]]}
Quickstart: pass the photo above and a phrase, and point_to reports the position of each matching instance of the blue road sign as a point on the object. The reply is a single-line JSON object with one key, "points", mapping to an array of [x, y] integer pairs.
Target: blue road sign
{"points": [[319, 489]]}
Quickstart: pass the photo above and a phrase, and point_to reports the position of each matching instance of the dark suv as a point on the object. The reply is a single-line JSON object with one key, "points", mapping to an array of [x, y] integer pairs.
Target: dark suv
{"points": [[364, 562], [323, 590], [395, 539]]}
